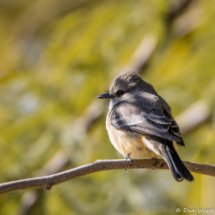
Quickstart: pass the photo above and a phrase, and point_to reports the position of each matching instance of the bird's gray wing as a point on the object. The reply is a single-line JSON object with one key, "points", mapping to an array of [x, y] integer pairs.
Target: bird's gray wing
{"points": [[153, 122]]}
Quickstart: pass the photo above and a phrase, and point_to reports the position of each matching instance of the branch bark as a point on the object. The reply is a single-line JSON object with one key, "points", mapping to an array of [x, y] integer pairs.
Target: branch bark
{"points": [[49, 181]]}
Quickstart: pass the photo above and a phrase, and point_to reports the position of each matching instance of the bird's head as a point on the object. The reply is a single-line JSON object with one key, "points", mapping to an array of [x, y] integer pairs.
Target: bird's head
{"points": [[124, 87]]}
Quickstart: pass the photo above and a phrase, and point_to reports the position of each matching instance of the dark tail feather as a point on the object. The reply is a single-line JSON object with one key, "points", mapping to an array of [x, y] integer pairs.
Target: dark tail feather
{"points": [[178, 169]]}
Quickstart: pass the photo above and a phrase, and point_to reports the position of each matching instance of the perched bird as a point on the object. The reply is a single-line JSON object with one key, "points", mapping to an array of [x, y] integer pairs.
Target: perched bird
{"points": [[140, 124]]}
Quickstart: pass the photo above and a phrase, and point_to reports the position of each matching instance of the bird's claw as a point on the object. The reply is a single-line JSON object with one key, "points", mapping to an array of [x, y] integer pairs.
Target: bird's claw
{"points": [[156, 161], [128, 157]]}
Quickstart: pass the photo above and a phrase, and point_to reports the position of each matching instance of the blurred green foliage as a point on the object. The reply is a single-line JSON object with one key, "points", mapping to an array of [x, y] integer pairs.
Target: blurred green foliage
{"points": [[56, 57]]}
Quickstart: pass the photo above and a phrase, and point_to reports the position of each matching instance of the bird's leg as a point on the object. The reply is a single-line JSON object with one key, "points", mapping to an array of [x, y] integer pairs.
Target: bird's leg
{"points": [[156, 162], [128, 157]]}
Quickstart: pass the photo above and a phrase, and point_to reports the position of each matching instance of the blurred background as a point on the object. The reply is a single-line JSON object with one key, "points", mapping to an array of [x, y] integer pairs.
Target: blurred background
{"points": [[58, 56]]}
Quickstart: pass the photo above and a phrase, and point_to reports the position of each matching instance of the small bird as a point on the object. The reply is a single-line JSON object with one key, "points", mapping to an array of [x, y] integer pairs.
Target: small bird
{"points": [[140, 124]]}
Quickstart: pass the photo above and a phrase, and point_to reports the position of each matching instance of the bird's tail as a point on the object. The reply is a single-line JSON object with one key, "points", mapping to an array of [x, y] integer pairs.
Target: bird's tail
{"points": [[177, 167]]}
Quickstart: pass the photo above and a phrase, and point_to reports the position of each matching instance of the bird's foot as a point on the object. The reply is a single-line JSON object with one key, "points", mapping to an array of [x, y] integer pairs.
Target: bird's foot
{"points": [[155, 163], [128, 157]]}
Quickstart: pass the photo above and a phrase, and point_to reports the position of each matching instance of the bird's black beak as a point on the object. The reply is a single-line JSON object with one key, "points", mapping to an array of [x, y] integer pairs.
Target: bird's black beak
{"points": [[104, 96]]}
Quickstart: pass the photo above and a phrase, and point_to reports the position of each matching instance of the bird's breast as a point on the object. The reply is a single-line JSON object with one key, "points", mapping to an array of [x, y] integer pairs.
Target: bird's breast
{"points": [[128, 143]]}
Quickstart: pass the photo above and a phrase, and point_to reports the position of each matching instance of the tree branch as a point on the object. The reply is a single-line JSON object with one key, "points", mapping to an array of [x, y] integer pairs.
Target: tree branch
{"points": [[175, 10], [100, 165]]}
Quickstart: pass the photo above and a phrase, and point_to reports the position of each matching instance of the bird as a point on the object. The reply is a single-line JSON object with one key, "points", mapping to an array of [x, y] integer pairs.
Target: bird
{"points": [[140, 124]]}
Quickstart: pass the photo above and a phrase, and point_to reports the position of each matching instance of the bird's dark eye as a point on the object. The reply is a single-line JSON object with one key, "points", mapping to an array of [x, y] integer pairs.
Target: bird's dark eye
{"points": [[120, 92]]}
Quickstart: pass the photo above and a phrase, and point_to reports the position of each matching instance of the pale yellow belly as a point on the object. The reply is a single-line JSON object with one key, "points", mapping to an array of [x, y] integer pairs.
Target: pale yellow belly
{"points": [[129, 143]]}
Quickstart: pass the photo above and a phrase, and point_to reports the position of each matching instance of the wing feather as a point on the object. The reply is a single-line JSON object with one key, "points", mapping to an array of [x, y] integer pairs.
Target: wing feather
{"points": [[158, 123]]}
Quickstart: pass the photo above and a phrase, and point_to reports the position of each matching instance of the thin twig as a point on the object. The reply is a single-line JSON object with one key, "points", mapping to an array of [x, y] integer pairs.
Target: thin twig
{"points": [[175, 10], [49, 181]]}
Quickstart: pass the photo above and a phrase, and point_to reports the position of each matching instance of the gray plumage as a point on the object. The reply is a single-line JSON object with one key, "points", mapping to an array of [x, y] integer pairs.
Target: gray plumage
{"points": [[136, 107]]}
